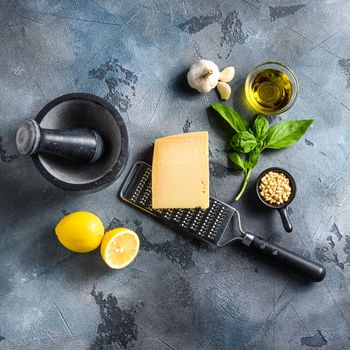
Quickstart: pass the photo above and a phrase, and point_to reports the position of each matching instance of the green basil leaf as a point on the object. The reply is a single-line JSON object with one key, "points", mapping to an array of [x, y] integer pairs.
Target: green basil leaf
{"points": [[237, 161], [260, 127], [236, 122], [252, 158], [244, 142], [287, 133]]}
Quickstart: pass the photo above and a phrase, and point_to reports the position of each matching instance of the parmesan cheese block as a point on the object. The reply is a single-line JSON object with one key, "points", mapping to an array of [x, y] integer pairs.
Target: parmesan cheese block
{"points": [[180, 171]]}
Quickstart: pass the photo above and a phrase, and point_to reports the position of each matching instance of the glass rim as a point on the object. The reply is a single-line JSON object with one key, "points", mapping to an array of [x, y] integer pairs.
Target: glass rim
{"points": [[294, 82]]}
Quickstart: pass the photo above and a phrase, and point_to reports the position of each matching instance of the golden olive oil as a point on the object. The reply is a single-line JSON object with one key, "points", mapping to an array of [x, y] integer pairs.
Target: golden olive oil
{"points": [[270, 91]]}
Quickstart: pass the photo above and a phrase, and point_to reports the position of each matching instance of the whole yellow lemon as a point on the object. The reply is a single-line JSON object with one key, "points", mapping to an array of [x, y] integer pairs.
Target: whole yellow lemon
{"points": [[80, 232]]}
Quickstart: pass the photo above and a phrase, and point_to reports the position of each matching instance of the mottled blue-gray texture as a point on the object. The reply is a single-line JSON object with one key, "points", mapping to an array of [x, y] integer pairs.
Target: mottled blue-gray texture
{"points": [[179, 293]]}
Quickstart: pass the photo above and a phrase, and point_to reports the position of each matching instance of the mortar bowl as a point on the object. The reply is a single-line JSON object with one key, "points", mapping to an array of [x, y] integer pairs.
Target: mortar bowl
{"points": [[80, 110]]}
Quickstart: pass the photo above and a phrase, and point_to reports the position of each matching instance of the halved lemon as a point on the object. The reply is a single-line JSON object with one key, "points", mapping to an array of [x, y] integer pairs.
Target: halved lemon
{"points": [[119, 247]]}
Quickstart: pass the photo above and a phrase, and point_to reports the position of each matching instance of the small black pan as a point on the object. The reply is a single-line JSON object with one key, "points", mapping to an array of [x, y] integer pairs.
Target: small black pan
{"points": [[282, 209]]}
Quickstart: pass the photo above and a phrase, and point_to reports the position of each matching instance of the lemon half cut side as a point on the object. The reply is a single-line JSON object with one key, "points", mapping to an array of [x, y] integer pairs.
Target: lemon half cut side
{"points": [[119, 247]]}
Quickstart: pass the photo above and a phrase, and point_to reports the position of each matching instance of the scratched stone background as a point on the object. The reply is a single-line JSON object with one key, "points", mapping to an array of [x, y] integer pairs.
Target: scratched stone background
{"points": [[178, 294]]}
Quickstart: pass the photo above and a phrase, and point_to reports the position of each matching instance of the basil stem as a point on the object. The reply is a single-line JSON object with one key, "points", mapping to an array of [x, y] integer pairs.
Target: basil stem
{"points": [[244, 185]]}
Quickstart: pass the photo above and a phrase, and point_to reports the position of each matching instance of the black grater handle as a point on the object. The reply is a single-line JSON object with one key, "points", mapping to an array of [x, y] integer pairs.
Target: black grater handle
{"points": [[308, 268]]}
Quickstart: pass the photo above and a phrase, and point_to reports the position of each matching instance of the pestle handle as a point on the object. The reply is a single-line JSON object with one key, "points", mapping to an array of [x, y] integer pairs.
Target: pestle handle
{"points": [[78, 144]]}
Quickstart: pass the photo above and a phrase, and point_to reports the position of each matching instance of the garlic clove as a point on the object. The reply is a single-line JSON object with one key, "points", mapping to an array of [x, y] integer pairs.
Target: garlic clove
{"points": [[224, 90], [203, 76], [227, 74]]}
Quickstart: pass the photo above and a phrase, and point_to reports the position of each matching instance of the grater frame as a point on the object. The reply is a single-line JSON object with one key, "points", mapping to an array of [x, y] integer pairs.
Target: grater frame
{"points": [[227, 228]]}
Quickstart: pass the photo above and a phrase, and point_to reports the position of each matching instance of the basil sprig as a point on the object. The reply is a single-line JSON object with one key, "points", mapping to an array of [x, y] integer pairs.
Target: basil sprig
{"points": [[248, 143]]}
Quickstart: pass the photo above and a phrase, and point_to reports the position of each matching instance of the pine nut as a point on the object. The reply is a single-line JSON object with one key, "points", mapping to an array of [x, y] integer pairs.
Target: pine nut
{"points": [[275, 188]]}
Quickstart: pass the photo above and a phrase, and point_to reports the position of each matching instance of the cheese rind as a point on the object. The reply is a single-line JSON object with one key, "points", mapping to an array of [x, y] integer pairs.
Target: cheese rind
{"points": [[180, 171]]}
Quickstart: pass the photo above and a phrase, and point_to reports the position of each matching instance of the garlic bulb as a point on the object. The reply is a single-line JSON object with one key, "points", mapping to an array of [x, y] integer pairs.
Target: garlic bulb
{"points": [[203, 76]]}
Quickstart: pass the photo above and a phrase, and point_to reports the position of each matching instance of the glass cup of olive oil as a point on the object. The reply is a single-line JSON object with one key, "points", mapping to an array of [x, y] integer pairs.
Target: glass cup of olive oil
{"points": [[271, 88]]}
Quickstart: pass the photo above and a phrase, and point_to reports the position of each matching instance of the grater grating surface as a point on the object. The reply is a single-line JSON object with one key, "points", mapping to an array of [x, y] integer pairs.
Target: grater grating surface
{"points": [[209, 224]]}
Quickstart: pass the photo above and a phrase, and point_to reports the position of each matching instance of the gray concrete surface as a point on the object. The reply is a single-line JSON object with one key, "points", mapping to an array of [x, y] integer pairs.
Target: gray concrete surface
{"points": [[178, 294]]}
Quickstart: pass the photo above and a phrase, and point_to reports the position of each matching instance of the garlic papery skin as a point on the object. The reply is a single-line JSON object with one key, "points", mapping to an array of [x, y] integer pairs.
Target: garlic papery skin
{"points": [[203, 76]]}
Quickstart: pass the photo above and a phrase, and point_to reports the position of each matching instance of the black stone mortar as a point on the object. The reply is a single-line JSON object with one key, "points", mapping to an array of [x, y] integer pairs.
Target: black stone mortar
{"points": [[80, 110]]}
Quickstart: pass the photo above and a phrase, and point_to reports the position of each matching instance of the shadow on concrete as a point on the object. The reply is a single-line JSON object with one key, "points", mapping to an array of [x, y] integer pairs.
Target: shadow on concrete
{"points": [[181, 88]]}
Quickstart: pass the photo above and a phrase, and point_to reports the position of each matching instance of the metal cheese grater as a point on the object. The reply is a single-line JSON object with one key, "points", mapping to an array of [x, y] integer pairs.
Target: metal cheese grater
{"points": [[220, 224]]}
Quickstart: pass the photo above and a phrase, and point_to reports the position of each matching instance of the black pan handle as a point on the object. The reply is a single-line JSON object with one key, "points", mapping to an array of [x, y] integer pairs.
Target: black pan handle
{"points": [[308, 268], [285, 220]]}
